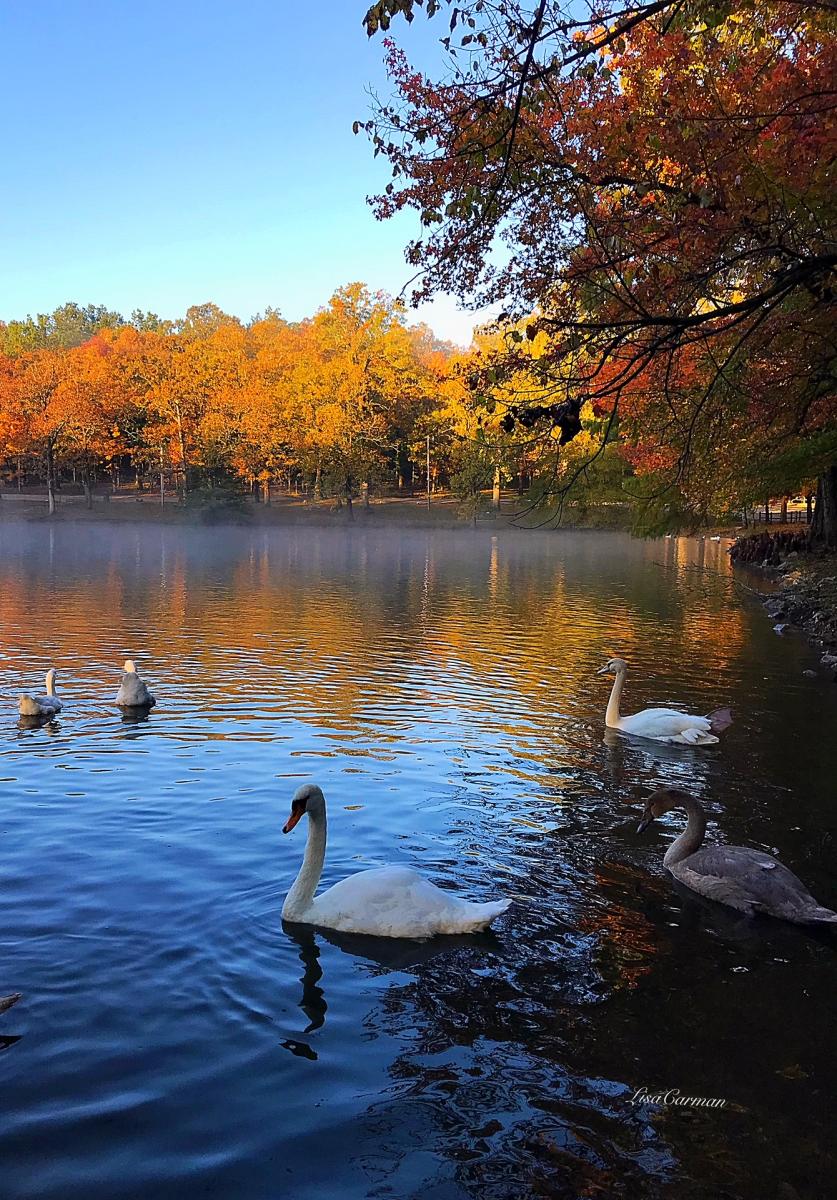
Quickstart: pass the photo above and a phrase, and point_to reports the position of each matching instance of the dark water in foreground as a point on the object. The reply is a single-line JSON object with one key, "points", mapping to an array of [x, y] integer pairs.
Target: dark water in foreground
{"points": [[175, 1041]]}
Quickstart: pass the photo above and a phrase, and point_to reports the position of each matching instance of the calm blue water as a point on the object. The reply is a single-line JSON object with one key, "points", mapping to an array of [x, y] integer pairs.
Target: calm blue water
{"points": [[175, 1041]]}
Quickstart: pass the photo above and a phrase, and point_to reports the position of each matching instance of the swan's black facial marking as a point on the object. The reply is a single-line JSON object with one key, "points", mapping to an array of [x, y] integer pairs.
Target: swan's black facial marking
{"points": [[647, 818], [659, 804], [298, 810]]}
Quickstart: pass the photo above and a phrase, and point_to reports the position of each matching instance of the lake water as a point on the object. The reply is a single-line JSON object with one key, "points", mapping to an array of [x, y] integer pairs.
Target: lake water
{"points": [[175, 1040]]}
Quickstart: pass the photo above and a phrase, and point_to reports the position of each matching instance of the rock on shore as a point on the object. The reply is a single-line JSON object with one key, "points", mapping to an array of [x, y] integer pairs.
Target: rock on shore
{"points": [[807, 598], [807, 592]]}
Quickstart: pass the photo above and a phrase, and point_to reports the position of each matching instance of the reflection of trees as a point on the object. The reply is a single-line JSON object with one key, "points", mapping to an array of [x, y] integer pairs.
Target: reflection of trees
{"points": [[332, 622], [626, 941]]}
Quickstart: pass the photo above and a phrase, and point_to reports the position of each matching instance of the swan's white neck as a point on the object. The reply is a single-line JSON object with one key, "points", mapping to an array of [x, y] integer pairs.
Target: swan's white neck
{"points": [[304, 888], [691, 838], [50, 683], [612, 712]]}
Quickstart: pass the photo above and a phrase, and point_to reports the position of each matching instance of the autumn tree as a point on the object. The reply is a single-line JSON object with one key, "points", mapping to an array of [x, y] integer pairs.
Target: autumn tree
{"points": [[344, 396], [654, 184], [265, 409], [366, 387], [69, 325], [31, 414]]}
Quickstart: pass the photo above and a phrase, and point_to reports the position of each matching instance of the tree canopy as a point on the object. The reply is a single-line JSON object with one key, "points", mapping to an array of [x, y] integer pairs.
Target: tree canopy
{"points": [[649, 190], [343, 398]]}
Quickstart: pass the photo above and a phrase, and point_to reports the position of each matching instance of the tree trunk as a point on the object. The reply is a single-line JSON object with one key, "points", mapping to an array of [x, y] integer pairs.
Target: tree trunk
{"points": [[50, 474], [318, 486], [349, 508], [495, 494], [266, 489], [88, 491], [404, 469], [181, 438], [824, 528], [784, 516]]}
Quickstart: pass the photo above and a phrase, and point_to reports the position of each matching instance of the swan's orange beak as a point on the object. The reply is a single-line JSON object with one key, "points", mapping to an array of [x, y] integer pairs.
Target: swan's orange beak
{"points": [[647, 819], [292, 820]]}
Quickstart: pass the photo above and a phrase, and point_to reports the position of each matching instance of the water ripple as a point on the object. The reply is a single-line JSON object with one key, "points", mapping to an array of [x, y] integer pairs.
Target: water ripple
{"points": [[175, 1038]]}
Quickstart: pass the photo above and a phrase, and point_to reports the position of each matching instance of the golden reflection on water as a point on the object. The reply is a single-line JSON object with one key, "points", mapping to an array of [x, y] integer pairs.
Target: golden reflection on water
{"points": [[443, 690]]}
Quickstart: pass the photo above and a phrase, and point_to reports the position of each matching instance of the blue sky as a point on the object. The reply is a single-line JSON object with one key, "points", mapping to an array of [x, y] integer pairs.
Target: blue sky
{"points": [[156, 155]]}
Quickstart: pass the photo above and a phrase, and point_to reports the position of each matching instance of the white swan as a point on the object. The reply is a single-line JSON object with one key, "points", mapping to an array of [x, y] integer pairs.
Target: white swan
{"points": [[41, 706], [746, 879], [661, 724], [384, 901], [133, 693]]}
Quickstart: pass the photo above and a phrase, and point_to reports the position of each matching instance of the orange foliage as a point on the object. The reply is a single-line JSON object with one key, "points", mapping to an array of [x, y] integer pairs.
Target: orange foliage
{"points": [[339, 395]]}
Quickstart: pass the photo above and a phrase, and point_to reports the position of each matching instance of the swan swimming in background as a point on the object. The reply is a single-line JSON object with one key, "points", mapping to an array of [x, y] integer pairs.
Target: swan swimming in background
{"points": [[748, 880], [41, 706], [384, 901], [133, 693], [661, 724]]}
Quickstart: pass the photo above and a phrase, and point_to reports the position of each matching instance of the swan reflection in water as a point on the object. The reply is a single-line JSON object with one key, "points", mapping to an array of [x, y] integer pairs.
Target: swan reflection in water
{"points": [[630, 761], [135, 714], [48, 724], [389, 954]]}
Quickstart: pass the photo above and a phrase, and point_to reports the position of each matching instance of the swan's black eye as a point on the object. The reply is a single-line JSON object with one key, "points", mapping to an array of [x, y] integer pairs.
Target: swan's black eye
{"points": [[298, 807]]}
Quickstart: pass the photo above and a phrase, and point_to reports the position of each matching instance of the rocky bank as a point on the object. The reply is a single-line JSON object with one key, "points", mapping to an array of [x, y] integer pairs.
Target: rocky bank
{"points": [[806, 595]]}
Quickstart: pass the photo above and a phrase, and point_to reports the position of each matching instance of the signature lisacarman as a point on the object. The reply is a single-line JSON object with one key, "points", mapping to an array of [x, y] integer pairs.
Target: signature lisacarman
{"points": [[674, 1096]]}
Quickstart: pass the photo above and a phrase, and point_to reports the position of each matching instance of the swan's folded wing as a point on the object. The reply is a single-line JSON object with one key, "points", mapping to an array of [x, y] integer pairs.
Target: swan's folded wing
{"points": [[663, 722], [376, 901], [132, 692], [766, 883], [390, 902]]}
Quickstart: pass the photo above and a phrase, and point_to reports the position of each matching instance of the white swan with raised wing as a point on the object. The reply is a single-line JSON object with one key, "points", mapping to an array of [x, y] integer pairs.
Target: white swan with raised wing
{"points": [[384, 901]]}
